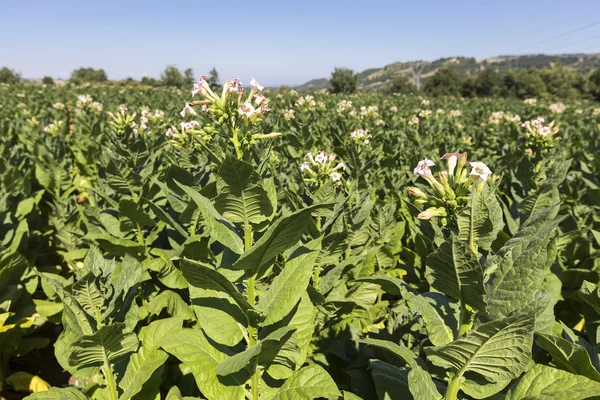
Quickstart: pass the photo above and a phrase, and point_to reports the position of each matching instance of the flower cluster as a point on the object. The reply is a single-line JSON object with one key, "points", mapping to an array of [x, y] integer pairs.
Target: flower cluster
{"points": [[361, 136], [596, 111], [58, 106], [55, 128], [394, 109], [498, 117], [557, 108], [414, 121], [320, 168], [530, 102], [85, 102], [450, 190], [232, 112], [455, 113], [343, 106], [289, 114], [424, 114], [540, 137], [307, 102], [369, 112]]}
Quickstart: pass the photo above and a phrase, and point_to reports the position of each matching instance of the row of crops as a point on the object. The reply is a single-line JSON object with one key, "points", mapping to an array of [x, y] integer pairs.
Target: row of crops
{"points": [[240, 243]]}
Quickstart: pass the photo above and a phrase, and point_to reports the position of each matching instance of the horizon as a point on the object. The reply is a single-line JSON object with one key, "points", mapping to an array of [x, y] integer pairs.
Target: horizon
{"points": [[282, 44]]}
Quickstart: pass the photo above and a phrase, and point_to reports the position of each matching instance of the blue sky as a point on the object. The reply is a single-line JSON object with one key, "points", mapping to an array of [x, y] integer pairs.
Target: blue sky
{"points": [[280, 42]]}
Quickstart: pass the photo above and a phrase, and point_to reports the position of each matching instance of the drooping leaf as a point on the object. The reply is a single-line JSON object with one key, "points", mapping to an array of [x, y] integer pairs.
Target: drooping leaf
{"points": [[496, 350], [104, 346], [281, 235], [543, 382], [288, 287], [219, 227], [569, 356], [455, 271]]}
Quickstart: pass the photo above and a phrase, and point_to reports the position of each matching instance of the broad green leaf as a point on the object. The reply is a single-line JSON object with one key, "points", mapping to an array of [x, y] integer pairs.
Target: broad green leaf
{"points": [[288, 287], [219, 315], [393, 286], [590, 293], [281, 235], [420, 382], [149, 357], [497, 350], [219, 228], [569, 356], [543, 382], [455, 271], [481, 388], [241, 197], [518, 270], [58, 394], [391, 382], [192, 348], [265, 349], [481, 220], [204, 277], [173, 304], [553, 173], [103, 347], [310, 382], [437, 329], [26, 382]]}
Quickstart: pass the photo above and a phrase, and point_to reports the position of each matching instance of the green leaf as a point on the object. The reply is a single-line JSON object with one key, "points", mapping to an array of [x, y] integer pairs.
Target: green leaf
{"points": [[543, 382], [288, 287], [192, 348], [481, 219], [518, 270], [104, 346], [420, 383], [219, 315], [437, 328], [391, 382], [204, 277], [219, 228], [569, 356], [172, 303], [241, 197], [547, 194], [496, 350], [149, 357], [454, 270], [310, 382], [590, 293], [393, 286], [264, 349], [281, 235], [58, 394]]}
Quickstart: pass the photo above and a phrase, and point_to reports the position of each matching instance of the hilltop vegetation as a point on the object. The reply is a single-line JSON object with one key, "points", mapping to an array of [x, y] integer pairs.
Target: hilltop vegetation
{"points": [[378, 79]]}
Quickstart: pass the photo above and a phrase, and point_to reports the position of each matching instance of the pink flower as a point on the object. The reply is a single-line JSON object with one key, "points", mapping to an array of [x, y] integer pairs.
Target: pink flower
{"points": [[479, 170], [235, 85], [199, 87], [255, 85], [187, 110], [247, 110], [422, 167]]}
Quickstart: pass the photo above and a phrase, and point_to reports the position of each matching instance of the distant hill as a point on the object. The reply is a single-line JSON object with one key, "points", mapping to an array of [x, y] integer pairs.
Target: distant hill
{"points": [[376, 79]]}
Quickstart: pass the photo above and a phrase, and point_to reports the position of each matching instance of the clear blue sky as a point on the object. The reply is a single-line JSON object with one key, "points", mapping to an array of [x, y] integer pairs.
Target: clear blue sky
{"points": [[279, 42]]}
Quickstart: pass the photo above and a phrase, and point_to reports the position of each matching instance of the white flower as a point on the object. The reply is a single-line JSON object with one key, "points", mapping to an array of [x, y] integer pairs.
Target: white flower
{"points": [[289, 114], [530, 101], [479, 171], [199, 87], [304, 166], [422, 167], [169, 132], [335, 176], [255, 85], [321, 157], [247, 110], [259, 98], [235, 85], [187, 110]]}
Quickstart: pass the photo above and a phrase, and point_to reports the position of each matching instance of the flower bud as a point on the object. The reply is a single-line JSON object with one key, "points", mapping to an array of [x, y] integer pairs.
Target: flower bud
{"points": [[432, 212], [415, 191]]}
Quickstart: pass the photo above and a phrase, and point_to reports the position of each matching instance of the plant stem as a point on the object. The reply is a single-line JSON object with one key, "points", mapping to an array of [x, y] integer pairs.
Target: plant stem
{"points": [[110, 380], [252, 331], [465, 320], [453, 388]]}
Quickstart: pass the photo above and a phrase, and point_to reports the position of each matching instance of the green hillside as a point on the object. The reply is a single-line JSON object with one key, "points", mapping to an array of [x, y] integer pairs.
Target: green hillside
{"points": [[375, 79]]}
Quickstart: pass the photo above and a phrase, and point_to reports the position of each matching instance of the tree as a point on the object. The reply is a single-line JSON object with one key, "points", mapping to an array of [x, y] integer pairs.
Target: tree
{"points": [[594, 84], [530, 84], [88, 75], [343, 80], [171, 76], [563, 83], [9, 76], [150, 81], [403, 85], [445, 82], [213, 79], [47, 80], [488, 83], [189, 77]]}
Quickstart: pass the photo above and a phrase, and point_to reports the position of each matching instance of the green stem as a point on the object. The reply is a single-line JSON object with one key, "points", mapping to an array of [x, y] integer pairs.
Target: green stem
{"points": [[465, 320], [252, 330], [110, 380], [453, 388], [236, 143]]}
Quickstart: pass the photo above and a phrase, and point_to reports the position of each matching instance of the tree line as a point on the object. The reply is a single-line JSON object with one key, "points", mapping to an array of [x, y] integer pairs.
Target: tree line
{"points": [[556, 82], [171, 76]]}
